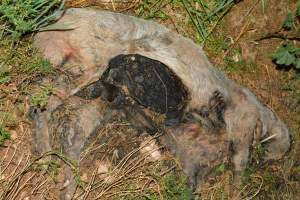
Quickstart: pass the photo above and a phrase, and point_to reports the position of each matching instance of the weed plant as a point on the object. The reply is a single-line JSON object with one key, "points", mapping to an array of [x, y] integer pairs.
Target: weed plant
{"points": [[19, 17]]}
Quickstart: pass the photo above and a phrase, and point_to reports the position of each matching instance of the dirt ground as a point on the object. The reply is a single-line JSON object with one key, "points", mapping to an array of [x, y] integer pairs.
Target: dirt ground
{"points": [[234, 47]]}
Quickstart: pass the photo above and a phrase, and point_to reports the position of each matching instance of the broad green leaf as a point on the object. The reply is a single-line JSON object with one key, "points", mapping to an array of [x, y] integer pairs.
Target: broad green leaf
{"points": [[297, 51], [290, 59], [280, 52], [286, 59], [291, 48], [289, 21]]}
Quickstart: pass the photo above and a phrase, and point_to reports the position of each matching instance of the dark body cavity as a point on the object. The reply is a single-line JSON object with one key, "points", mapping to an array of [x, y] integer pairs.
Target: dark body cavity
{"points": [[134, 79]]}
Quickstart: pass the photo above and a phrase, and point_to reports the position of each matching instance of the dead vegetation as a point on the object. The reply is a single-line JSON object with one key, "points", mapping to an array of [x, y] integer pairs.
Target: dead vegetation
{"points": [[230, 42]]}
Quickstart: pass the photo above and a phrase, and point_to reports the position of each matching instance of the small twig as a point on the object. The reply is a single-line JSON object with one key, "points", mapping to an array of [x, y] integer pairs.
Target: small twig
{"points": [[13, 187], [124, 171], [168, 170], [280, 35], [15, 194], [16, 179], [243, 29], [258, 190], [232, 45], [270, 88], [268, 138], [4, 157], [132, 5], [20, 161], [193, 19], [249, 11], [9, 162], [123, 193], [89, 186], [37, 187], [90, 150]]}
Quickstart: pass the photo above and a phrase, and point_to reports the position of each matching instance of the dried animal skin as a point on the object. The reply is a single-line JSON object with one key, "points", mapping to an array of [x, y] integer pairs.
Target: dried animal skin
{"points": [[84, 52], [67, 128], [198, 150]]}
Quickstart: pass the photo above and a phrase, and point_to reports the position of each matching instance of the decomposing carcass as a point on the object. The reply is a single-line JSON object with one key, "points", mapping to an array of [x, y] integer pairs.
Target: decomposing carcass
{"points": [[119, 65]]}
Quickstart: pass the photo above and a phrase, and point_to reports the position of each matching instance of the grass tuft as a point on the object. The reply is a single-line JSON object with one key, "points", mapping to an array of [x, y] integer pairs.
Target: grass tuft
{"points": [[21, 62], [21, 17], [4, 135], [205, 15], [40, 98]]}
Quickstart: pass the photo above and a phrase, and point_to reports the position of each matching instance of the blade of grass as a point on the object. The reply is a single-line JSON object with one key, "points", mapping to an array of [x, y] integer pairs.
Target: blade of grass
{"points": [[195, 22]]}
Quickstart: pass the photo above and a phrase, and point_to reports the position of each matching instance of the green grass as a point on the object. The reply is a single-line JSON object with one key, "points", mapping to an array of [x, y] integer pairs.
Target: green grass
{"points": [[207, 15], [4, 135], [40, 98], [203, 15], [53, 166], [4, 74], [176, 188], [173, 187], [151, 9], [20, 17], [8, 119], [21, 59]]}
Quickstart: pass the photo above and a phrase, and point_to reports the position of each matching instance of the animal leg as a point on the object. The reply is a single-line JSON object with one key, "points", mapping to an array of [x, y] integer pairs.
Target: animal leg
{"points": [[241, 124]]}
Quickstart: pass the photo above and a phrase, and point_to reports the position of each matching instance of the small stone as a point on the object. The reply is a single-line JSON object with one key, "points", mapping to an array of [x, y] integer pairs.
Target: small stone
{"points": [[66, 183], [103, 167], [13, 134], [84, 177], [149, 147], [236, 58]]}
